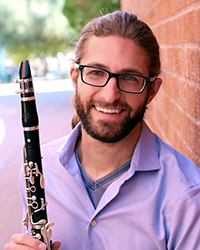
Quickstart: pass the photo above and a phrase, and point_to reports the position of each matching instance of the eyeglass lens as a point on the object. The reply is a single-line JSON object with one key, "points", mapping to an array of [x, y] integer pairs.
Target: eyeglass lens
{"points": [[98, 77]]}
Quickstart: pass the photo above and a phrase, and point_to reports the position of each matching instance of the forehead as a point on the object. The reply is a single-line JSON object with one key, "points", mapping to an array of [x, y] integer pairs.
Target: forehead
{"points": [[115, 53]]}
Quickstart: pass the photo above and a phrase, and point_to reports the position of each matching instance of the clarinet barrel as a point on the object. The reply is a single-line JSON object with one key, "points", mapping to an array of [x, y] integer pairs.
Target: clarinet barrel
{"points": [[36, 215]]}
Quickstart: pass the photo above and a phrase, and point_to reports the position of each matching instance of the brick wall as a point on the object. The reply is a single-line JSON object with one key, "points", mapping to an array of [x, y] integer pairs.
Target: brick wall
{"points": [[175, 113]]}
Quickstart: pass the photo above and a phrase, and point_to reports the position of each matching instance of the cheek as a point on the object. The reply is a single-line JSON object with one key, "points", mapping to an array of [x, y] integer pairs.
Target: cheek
{"points": [[86, 92], [136, 99]]}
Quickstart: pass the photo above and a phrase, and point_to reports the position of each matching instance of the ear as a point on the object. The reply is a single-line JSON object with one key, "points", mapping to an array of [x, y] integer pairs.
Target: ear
{"points": [[73, 75], [153, 92]]}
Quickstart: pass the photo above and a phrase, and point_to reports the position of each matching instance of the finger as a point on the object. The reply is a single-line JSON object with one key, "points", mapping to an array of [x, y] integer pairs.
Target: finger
{"points": [[12, 246], [27, 240], [55, 245]]}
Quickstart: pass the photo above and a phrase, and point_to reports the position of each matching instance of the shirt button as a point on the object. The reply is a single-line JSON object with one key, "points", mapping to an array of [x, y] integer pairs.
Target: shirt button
{"points": [[93, 223]]}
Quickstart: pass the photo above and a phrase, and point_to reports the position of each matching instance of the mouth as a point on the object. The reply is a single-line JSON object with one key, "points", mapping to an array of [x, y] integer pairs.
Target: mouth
{"points": [[108, 110]]}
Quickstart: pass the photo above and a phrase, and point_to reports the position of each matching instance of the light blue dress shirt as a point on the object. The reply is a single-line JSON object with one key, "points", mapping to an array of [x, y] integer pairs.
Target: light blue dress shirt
{"points": [[154, 205]]}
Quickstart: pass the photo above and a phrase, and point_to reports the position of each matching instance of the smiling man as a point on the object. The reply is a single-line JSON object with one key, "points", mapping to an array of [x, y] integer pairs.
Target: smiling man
{"points": [[112, 184], [111, 108]]}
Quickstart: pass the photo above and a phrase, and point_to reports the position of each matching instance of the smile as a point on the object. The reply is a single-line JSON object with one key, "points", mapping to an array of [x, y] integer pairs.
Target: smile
{"points": [[108, 111]]}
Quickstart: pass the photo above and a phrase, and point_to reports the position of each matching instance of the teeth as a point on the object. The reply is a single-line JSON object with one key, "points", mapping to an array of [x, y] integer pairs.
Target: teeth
{"points": [[109, 111]]}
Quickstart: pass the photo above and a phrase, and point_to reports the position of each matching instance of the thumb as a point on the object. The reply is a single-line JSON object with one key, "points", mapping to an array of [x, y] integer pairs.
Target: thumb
{"points": [[55, 245]]}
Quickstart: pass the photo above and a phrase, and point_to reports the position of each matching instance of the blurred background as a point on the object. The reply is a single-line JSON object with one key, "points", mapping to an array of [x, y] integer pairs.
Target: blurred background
{"points": [[42, 31]]}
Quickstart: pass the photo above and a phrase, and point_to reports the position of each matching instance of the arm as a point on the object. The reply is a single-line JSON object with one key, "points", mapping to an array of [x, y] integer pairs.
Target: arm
{"points": [[185, 221]]}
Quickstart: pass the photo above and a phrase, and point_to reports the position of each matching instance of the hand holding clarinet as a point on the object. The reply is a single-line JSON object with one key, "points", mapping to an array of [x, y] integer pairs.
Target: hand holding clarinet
{"points": [[24, 241]]}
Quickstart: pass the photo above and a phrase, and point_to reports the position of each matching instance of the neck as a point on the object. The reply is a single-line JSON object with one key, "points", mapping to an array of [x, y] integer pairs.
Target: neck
{"points": [[100, 158]]}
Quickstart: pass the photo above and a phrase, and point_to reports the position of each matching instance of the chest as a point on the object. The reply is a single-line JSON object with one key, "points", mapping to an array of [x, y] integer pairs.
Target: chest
{"points": [[128, 216]]}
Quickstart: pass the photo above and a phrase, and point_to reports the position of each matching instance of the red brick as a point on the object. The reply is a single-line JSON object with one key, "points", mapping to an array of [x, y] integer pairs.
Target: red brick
{"points": [[175, 59], [198, 105], [194, 64], [196, 25], [190, 132], [182, 93], [181, 29], [191, 99]]}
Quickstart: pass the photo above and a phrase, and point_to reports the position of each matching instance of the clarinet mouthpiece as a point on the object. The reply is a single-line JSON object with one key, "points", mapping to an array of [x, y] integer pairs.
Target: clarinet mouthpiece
{"points": [[24, 70], [25, 80]]}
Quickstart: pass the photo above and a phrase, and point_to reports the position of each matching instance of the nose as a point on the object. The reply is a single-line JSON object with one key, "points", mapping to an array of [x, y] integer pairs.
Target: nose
{"points": [[110, 92]]}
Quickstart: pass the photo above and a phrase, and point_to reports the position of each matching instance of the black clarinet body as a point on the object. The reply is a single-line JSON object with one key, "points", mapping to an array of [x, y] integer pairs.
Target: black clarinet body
{"points": [[36, 215]]}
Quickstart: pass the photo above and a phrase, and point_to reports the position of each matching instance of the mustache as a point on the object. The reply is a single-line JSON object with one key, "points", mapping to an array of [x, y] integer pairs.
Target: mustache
{"points": [[115, 104]]}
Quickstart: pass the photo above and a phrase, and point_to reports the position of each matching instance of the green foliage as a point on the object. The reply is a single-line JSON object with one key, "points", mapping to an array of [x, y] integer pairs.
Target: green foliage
{"points": [[33, 28], [37, 28], [79, 12]]}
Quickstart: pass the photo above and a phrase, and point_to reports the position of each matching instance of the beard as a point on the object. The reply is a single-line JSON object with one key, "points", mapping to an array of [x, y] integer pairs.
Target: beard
{"points": [[108, 131]]}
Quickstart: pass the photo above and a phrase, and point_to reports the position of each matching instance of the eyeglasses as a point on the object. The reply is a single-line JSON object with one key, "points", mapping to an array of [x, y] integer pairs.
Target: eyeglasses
{"points": [[129, 83]]}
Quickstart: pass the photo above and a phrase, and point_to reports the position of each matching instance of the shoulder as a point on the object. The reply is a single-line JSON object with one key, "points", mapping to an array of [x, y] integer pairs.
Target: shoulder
{"points": [[55, 144], [61, 148], [177, 164], [62, 142]]}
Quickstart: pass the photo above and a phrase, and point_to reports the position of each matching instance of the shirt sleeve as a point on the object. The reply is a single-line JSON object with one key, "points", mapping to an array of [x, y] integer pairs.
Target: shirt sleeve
{"points": [[185, 221]]}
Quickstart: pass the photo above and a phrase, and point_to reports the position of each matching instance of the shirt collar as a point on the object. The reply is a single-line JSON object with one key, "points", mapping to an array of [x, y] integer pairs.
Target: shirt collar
{"points": [[67, 150], [145, 157]]}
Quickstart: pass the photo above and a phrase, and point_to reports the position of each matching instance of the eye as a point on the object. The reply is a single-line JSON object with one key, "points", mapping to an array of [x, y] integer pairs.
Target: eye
{"points": [[95, 72], [130, 78]]}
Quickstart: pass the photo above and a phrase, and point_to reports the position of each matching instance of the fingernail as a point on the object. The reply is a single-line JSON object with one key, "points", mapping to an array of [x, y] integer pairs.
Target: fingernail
{"points": [[42, 246]]}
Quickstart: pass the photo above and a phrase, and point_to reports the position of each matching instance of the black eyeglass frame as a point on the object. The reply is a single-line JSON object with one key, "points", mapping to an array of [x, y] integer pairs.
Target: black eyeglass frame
{"points": [[116, 75]]}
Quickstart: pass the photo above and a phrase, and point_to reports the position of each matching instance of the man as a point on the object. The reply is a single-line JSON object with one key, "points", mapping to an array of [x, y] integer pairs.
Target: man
{"points": [[112, 184]]}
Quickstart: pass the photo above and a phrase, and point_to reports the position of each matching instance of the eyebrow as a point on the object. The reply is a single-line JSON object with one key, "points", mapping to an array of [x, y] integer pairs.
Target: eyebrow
{"points": [[124, 70]]}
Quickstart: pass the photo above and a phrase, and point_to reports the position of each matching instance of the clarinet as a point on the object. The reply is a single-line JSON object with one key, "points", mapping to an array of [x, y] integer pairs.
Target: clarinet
{"points": [[36, 214]]}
